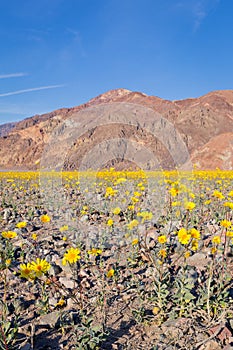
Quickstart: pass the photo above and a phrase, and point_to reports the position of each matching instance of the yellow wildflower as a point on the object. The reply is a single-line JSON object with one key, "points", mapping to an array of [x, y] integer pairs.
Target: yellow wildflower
{"points": [[183, 236], [146, 215], [213, 250], [135, 241], [116, 211], [120, 180], [94, 251], [26, 271], [194, 245], [155, 310], [174, 191], [45, 218], [131, 207], [63, 228], [8, 262], [110, 273], [71, 256], [218, 194], [162, 253], [195, 233], [162, 239], [110, 192], [9, 234], [84, 210], [61, 302], [187, 255], [34, 236], [229, 233], [40, 266], [216, 240], [228, 204], [134, 223], [21, 224], [189, 205], [110, 222], [137, 194], [176, 203], [225, 223]]}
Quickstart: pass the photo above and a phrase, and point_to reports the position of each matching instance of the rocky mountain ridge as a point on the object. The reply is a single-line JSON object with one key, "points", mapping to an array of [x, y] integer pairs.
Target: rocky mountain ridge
{"points": [[205, 125], [6, 128]]}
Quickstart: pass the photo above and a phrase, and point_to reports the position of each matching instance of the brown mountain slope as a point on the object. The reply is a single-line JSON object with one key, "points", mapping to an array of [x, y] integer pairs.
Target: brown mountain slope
{"points": [[205, 124], [219, 148], [6, 128]]}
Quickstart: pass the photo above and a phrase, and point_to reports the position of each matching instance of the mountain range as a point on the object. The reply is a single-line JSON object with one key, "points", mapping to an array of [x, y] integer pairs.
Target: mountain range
{"points": [[204, 124]]}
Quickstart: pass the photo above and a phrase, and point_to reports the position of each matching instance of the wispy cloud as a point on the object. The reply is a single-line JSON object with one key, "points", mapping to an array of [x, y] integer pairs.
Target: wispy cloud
{"points": [[7, 108], [199, 14], [36, 35], [77, 40], [199, 10], [18, 92], [12, 75]]}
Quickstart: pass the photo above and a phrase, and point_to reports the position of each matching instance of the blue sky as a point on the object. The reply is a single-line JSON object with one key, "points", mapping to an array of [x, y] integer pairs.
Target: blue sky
{"points": [[61, 53]]}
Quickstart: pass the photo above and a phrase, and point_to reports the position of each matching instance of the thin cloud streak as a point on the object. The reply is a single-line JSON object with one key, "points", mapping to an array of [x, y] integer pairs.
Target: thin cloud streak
{"points": [[12, 75], [18, 92], [198, 9]]}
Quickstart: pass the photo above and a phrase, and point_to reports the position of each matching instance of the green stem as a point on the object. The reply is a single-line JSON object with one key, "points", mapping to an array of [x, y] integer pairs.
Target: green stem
{"points": [[3, 337], [208, 289]]}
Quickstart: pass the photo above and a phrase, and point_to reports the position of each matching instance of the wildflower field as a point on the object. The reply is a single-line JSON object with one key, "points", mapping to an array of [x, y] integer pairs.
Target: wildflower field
{"points": [[116, 260]]}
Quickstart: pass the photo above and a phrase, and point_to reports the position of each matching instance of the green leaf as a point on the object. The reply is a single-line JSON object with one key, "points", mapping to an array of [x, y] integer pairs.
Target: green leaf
{"points": [[189, 296]]}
